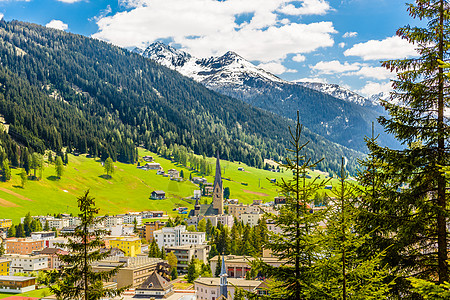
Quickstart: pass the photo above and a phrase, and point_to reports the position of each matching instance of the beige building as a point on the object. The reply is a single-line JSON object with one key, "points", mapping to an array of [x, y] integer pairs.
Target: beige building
{"points": [[23, 246], [134, 272], [208, 288], [186, 253]]}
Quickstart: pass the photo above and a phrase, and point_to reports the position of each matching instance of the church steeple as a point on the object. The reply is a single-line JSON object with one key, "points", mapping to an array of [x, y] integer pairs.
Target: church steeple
{"points": [[223, 280], [218, 189]]}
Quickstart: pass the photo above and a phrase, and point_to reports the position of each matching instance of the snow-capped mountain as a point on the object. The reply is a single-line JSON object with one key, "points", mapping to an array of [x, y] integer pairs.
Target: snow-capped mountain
{"points": [[340, 92], [329, 110], [213, 72]]}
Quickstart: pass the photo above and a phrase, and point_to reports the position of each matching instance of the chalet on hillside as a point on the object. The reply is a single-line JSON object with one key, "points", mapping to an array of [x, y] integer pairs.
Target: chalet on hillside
{"points": [[173, 173], [148, 158], [152, 166], [158, 195]]}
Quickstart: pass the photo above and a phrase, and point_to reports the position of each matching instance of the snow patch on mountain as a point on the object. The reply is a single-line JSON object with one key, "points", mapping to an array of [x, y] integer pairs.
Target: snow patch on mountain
{"points": [[339, 92]]}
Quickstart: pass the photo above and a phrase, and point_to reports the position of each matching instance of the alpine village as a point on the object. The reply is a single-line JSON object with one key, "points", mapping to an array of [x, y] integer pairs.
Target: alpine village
{"points": [[168, 149]]}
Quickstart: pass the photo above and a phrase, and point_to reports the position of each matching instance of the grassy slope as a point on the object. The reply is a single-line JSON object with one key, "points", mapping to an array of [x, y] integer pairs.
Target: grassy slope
{"points": [[128, 190], [35, 293]]}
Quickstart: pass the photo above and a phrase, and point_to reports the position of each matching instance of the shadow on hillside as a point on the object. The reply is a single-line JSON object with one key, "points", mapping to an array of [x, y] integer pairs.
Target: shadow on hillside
{"points": [[17, 186], [52, 178], [104, 176]]}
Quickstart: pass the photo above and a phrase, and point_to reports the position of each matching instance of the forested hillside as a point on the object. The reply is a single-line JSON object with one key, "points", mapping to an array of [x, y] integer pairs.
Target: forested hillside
{"points": [[60, 89]]}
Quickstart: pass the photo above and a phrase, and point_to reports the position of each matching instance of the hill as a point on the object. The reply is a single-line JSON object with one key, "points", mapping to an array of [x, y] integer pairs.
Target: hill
{"points": [[128, 189], [60, 89]]}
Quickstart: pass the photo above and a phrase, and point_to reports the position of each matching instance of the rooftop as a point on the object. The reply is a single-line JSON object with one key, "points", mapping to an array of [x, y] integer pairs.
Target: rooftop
{"points": [[238, 282], [15, 278]]}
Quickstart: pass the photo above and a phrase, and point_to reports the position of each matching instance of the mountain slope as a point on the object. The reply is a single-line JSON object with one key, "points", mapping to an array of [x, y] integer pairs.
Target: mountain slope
{"points": [[127, 100], [346, 121]]}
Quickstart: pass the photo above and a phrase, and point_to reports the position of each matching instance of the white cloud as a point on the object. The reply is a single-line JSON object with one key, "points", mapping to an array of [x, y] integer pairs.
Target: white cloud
{"points": [[275, 68], [389, 48], [308, 7], [1, 16], [335, 67], [299, 58], [207, 27], [103, 13], [57, 24], [373, 88], [350, 34], [342, 45], [379, 73]]}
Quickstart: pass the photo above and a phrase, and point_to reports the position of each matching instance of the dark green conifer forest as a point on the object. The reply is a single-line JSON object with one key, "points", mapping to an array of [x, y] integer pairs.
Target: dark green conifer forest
{"points": [[64, 90]]}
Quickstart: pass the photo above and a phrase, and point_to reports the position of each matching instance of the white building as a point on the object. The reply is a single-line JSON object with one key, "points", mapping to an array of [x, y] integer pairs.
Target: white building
{"points": [[122, 230], [178, 236], [110, 221], [26, 263], [55, 223], [130, 217], [250, 218], [43, 235]]}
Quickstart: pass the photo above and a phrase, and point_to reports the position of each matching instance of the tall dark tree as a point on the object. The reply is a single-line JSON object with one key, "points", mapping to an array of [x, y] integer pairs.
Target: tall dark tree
{"points": [[299, 242], [77, 280], [410, 209]]}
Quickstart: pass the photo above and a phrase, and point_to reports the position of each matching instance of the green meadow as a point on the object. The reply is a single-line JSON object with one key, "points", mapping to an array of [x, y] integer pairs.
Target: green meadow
{"points": [[128, 190]]}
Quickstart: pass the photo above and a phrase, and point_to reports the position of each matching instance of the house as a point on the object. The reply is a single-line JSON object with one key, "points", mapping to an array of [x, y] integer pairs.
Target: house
{"points": [[198, 180], [53, 258], [148, 158], [131, 246], [209, 288], [152, 166], [17, 284], [173, 173], [158, 195], [158, 214], [154, 287], [241, 169]]}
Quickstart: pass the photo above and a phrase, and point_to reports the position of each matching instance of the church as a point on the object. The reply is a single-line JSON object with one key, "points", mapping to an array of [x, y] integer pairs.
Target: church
{"points": [[216, 207]]}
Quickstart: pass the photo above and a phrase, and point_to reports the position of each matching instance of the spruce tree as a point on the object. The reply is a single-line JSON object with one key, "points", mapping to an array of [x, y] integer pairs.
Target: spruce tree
{"points": [[410, 208], [59, 167], [299, 243], [76, 279], [344, 272]]}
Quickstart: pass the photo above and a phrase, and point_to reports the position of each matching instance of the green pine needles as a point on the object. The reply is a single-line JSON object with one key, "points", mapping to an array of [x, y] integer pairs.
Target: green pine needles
{"points": [[76, 279]]}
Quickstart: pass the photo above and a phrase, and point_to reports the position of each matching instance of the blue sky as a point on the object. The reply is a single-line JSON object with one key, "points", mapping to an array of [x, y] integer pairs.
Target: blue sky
{"points": [[334, 41]]}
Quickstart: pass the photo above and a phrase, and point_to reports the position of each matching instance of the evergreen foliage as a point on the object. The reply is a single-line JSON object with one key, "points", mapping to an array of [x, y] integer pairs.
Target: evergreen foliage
{"points": [[76, 279], [6, 170], [92, 97], [407, 206]]}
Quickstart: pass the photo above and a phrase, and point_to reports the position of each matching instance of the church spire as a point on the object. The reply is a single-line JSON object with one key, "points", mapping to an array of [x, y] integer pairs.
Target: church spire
{"points": [[218, 177], [223, 280], [218, 189]]}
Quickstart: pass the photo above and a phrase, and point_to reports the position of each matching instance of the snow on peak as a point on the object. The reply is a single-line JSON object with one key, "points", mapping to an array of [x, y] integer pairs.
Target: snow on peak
{"points": [[215, 71], [339, 92]]}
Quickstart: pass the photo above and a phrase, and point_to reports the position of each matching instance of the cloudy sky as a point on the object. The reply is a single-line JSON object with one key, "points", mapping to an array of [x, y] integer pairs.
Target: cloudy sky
{"points": [[334, 41]]}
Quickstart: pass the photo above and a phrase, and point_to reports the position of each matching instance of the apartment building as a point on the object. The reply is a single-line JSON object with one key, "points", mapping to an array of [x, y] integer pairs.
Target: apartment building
{"points": [[149, 228], [134, 270], [5, 224], [23, 246], [26, 263], [186, 253], [131, 246], [178, 236], [4, 267]]}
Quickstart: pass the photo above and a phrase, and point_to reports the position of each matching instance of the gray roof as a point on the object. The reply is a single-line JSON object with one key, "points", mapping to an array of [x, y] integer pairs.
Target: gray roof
{"points": [[15, 278], [218, 176], [155, 282]]}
